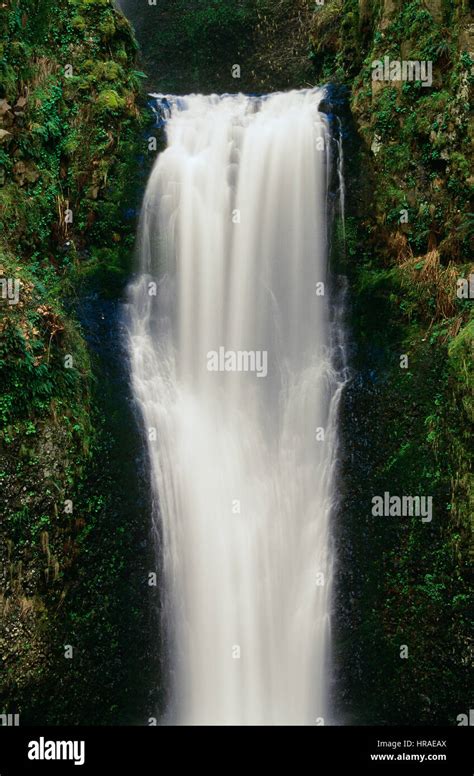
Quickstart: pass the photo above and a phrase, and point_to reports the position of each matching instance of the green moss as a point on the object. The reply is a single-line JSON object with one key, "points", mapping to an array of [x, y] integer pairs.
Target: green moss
{"points": [[108, 71], [408, 431], [90, 4], [109, 100], [79, 23], [63, 144], [107, 28], [460, 357]]}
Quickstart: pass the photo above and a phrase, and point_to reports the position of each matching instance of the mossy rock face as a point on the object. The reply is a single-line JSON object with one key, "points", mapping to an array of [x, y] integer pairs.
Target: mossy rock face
{"points": [[410, 233], [91, 3], [79, 23], [66, 95], [109, 71], [460, 352], [5, 136], [107, 29], [109, 100], [436, 9]]}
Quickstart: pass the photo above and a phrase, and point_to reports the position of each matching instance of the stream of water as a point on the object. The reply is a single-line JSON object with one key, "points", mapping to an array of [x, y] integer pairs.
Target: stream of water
{"points": [[234, 350]]}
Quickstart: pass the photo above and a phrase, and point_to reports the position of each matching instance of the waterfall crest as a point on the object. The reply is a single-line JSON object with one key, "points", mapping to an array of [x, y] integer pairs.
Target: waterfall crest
{"points": [[232, 349]]}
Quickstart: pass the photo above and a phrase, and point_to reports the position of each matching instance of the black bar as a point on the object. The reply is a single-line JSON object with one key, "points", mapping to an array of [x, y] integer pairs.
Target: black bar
{"points": [[143, 750]]}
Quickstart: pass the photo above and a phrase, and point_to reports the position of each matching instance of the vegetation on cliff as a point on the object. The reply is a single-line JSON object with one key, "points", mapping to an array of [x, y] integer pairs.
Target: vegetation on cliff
{"points": [[408, 424], [69, 138], [195, 45], [69, 141]]}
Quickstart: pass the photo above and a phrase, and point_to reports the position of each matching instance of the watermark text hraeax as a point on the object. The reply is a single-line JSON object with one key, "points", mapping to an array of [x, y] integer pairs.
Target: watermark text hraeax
{"points": [[403, 506]]}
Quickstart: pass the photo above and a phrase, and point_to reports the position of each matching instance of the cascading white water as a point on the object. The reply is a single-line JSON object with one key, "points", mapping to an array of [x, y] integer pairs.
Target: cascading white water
{"points": [[233, 240]]}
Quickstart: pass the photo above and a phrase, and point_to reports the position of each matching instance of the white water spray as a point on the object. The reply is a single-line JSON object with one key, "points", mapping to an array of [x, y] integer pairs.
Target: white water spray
{"points": [[233, 237]]}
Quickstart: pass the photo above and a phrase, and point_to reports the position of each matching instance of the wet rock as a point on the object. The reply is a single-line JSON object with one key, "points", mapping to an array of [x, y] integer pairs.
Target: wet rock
{"points": [[435, 7], [6, 115], [466, 39], [25, 172], [20, 104], [5, 137], [389, 9]]}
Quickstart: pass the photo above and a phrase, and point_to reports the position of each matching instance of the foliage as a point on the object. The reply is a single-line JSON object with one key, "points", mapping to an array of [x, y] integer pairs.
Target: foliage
{"points": [[71, 104], [406, 431]]}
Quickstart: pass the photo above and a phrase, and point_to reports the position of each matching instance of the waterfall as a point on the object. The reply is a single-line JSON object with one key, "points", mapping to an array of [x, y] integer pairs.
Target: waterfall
{"points": [[232, 339], [342, 183]]}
